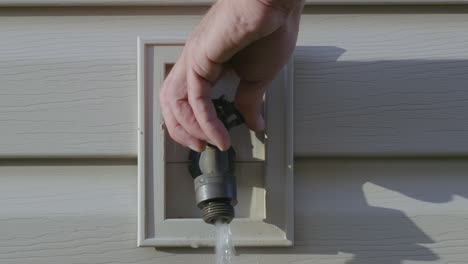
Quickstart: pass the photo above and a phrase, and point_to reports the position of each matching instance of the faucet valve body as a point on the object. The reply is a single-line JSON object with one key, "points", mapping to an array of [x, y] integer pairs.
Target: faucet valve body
{"points": [[215, 184], [213, 172]]}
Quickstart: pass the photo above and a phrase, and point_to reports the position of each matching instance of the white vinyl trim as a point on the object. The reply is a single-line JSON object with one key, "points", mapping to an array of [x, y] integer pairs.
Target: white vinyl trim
{"points": [[273, 226]]}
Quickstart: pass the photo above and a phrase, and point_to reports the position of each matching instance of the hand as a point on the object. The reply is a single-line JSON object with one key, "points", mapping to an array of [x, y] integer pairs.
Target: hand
{"points": [[254, 38]]}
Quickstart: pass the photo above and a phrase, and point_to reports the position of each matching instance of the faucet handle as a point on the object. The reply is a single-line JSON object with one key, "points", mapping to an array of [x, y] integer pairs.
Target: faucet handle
{"points": [[227, 112]]}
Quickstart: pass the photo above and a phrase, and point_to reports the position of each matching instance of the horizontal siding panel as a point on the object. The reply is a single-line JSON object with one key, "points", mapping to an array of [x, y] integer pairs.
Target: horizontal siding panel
{"points": [[386, 211], [382, 85], [346, 210], [69, 81], [367, 82]]}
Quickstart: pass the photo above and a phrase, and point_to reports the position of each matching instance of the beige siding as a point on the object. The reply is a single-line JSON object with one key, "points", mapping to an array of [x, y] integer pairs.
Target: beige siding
{"points": [[356, 210], [366, 82], [370, 81]]}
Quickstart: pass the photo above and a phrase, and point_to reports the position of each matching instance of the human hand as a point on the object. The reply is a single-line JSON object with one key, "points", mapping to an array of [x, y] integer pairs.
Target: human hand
{"points": [[254, 38]]}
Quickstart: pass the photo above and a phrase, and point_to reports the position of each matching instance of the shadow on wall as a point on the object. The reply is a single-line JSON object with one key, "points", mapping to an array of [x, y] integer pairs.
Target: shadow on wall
{"points": [[336, 213], [340, 218], [355, 104]]}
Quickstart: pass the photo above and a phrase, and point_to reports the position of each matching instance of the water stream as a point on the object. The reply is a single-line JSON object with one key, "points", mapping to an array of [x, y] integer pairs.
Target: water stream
{"points": [[224, 247]]}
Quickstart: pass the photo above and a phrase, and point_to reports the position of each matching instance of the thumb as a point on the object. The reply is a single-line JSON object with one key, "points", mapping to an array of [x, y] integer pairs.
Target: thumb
{"points": [[249, 102]]}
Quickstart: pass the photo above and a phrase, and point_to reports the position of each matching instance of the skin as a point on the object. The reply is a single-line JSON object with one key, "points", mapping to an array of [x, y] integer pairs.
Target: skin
{"points": [[254, 38]]}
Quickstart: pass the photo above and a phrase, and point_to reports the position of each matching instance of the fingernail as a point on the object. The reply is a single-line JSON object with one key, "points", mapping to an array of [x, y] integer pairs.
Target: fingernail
{"points": [[195, 148], [219, 146], [260, 123], [223, 148]]}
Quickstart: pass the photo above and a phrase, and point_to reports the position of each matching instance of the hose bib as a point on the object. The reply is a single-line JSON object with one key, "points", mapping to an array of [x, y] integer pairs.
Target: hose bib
{"points": [[213, 172]]}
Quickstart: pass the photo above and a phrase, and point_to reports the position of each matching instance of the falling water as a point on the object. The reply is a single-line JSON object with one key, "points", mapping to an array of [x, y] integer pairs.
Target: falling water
{"points": [[224, 246]]}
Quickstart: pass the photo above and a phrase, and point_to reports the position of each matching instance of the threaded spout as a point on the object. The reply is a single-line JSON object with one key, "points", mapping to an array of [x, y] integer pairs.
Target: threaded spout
{"points": [[218, 211]]}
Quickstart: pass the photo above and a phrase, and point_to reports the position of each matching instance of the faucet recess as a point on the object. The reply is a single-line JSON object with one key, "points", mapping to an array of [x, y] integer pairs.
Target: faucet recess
{"points": [[213, 171]]}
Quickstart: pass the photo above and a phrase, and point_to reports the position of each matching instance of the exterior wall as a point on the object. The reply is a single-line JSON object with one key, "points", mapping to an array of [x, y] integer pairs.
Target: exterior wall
{"points": [[370, 81], [346, 211]]}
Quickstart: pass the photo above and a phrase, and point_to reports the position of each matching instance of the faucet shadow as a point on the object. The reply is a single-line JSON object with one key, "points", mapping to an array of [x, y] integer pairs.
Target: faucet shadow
{"points": [[334, 211]]}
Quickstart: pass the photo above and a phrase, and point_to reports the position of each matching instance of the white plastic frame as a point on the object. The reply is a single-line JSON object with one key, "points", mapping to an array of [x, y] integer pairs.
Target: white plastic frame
{"points": [[154, 229]]}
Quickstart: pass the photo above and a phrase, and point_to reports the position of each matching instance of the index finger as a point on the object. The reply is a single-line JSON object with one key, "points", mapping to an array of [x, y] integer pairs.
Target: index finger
{"points": [[199, 95]]}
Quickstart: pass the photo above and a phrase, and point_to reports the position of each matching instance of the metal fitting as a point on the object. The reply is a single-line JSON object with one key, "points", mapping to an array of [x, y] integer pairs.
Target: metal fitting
{"points": [[214, 183]]}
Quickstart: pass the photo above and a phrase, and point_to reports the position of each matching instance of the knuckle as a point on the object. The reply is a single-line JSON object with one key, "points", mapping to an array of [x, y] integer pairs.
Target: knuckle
{"points": [[282, 6], [200, 63], [197, 102], [212, 120], [176, 134], [179, 104], [185, 111]]}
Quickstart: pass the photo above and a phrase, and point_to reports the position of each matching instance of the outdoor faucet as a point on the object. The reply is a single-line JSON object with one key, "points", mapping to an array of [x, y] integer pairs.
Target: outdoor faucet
{"points": [[213, 171]]}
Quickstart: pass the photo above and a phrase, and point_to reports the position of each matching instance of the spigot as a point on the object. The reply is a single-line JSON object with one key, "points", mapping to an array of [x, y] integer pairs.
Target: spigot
{"points": [[215, 184], [213, 172]]}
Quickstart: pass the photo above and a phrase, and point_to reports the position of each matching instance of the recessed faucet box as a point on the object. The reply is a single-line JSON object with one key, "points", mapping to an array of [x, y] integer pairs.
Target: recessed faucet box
{"points": [[168, 215]]}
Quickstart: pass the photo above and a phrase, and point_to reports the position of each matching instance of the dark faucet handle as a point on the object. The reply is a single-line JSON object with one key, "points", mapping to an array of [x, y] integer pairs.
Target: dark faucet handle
{"points": [[227, 112]]}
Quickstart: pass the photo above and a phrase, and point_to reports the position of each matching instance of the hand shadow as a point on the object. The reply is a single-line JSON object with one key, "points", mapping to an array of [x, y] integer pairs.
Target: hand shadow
{"points": [[338, 217]]}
